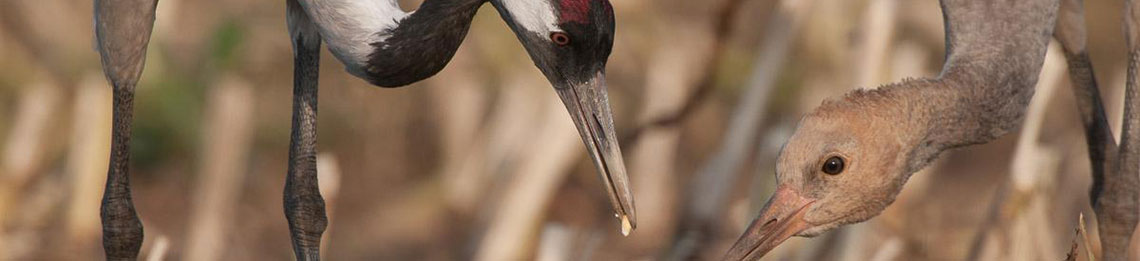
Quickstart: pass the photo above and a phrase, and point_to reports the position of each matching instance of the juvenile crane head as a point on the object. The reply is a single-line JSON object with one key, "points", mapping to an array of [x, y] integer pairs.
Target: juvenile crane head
{"points": [[570, 41], [844, 164]]}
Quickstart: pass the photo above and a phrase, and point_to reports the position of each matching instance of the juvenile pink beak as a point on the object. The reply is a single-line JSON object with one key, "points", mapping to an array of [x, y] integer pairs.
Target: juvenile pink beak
{"points": [[781, 218]]}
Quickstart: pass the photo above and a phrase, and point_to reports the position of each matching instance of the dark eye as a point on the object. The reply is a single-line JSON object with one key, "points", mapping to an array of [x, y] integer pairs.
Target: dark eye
{"points": [[560, 38], [833, 165]]}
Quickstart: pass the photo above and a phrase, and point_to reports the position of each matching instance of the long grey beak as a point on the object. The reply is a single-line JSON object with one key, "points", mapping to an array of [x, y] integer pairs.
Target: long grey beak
{"points": [[590, 108]]}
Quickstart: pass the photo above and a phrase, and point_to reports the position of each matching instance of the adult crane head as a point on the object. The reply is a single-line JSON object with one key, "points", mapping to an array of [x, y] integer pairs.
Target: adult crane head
{"points": [[570, 41]]}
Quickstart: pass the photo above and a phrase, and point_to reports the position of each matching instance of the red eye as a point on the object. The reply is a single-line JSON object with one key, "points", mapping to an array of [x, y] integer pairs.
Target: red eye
{"points": [[560, 38]]}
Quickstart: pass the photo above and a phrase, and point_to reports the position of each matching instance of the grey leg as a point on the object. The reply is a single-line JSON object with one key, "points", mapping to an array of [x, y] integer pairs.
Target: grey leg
{"points": [[304, 207]]}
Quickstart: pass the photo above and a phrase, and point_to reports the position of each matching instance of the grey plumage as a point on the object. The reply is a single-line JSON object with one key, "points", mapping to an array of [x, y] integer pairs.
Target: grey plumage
{"points": [[995, 50]]}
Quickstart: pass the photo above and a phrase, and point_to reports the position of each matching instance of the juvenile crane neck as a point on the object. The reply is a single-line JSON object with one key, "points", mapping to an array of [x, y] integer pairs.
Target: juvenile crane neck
{"points": [[964, 106], [951, 112], [991, 68]]}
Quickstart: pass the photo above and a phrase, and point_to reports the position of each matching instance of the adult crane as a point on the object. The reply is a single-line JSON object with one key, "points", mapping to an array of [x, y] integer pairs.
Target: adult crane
{"points": [[568, 40]]}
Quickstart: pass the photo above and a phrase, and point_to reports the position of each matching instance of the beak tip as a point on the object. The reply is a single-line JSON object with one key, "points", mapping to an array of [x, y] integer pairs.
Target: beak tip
{"points": [[781, 218], [588, 105]]}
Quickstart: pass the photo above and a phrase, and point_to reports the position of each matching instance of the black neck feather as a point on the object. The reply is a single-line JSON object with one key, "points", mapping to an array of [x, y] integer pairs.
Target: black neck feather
{"points": [[422, 44]]}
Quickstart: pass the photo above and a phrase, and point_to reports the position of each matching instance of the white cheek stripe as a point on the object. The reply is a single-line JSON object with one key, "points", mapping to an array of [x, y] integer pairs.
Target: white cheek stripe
{"points": [[534, 15]]}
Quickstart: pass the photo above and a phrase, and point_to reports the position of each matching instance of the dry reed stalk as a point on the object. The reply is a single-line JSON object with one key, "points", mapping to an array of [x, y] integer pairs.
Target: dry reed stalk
{"points": [[15, 23], [889, 250], [1028, 174], [24, 147], [23, 152], [38, 210], [1034, 166], [227, 131], [1085, 236], [548, 158], [560, 242], [556, 243], [653, 164], [725, 18], [328, 179], [87, 159], [23, 155], [459, 100], [668, 80], [496, 145], [159, 249], [879, 26], [708, 194]]}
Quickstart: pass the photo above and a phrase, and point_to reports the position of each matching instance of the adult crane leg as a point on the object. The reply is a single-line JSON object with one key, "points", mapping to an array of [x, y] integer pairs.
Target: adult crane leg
{"points": [[304, 207], [122, 29]]}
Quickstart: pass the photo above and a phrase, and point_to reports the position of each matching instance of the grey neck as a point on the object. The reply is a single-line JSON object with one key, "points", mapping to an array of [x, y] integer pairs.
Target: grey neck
{"points": [[995, 50]]}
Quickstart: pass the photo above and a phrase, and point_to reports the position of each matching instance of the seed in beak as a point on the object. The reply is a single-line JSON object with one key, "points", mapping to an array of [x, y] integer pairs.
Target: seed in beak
{"points": [[626, 227]]}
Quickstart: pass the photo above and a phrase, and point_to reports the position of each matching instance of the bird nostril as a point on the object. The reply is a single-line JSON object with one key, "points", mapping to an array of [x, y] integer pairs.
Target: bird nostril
{"points": [[598, 126], [768, 224]]}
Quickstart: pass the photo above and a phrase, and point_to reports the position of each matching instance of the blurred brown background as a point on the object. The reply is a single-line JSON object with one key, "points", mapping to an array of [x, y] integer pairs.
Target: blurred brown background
{"points": [[482, 162]]}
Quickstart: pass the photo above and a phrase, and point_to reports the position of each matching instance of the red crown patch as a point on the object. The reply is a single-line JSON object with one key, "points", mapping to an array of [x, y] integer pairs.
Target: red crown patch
{"points": [[579, 10]]}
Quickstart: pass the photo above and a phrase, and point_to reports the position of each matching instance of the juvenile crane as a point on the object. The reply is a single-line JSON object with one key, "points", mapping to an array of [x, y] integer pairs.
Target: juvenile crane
{"points": [[568, 40], [848, 159]]}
